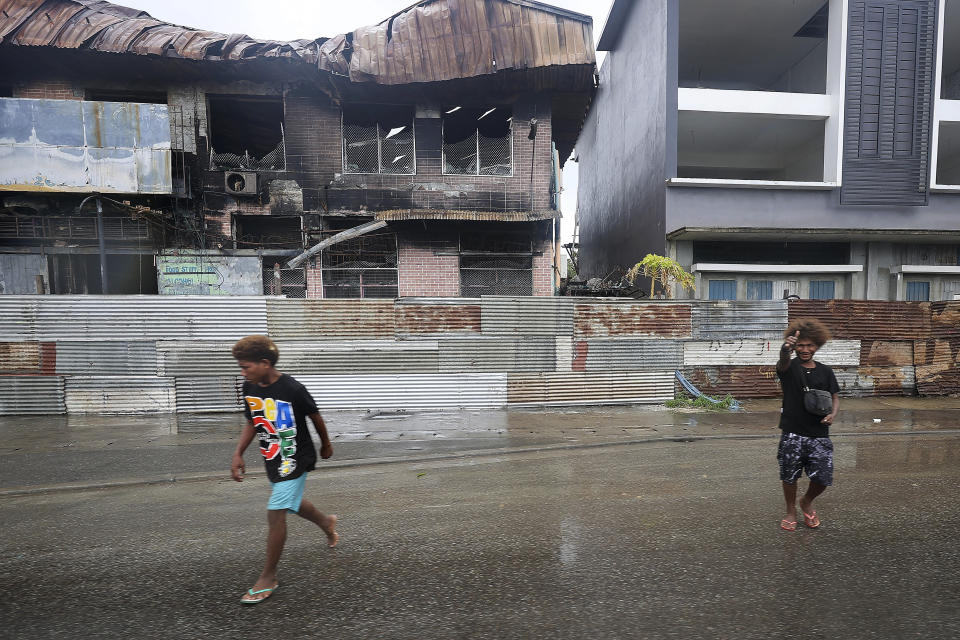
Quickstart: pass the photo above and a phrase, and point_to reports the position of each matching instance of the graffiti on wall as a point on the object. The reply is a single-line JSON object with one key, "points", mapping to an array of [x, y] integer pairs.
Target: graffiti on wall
{"points": [[204, 275]]}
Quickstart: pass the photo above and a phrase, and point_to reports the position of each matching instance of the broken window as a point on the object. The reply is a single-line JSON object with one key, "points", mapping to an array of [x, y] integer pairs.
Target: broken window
{"points": [[79, 273], [496, 264], [246, 132], [362, 267], [378, 139], [477, 141], [269, 232]]}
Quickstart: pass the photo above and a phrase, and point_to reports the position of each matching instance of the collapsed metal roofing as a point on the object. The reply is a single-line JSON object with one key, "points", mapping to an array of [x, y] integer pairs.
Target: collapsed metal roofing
{"points": [[431, 41]]}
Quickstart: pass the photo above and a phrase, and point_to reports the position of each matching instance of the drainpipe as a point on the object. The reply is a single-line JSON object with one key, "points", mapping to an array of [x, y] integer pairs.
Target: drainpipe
{"points": [[103, 249]]}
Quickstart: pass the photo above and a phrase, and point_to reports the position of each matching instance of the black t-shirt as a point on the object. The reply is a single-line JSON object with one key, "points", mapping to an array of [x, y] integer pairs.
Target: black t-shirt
{"points": [[794, 418], [279, 415]]}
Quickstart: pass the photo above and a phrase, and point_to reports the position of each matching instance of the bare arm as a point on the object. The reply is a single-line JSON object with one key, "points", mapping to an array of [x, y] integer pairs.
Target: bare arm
{"points": [[828, 419], [785, 351], [237, 468], [326, 449]]}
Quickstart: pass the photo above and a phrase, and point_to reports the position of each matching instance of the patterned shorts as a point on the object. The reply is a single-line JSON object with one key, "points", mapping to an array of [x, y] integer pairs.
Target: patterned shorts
{"points": [[797, 454]]}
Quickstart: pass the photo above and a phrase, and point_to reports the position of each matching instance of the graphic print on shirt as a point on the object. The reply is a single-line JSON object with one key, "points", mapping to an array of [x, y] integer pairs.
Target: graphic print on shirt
{"points": [[277, 430]]}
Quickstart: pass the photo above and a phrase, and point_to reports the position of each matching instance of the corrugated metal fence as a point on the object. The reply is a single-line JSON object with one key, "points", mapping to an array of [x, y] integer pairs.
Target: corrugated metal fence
{"points": [[123, 354]]}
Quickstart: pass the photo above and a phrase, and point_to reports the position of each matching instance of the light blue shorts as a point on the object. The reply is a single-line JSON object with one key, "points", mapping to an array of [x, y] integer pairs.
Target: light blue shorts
{"points": [[287, 494]]}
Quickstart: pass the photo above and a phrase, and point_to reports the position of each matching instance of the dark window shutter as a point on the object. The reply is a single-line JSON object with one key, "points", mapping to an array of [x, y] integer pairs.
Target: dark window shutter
{"points": [[891, 47]]}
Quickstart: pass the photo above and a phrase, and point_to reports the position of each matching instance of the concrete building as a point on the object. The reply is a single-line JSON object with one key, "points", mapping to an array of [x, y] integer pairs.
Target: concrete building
{"points": [[772, 147], [416, 157]]}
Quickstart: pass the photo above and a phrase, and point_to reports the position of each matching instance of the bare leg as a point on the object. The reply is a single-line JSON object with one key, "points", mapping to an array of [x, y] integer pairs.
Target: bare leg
{"points": [[806, 502], [325, 522], [790, 496], [276, 538]]}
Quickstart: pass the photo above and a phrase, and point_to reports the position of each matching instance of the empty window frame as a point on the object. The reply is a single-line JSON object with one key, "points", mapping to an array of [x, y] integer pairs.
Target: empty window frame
{"points": [[822, 290], [378, 139], [269, 232], [759, 289], [918, 291], [722, 290], [246, 132], [363, 267], [478, 141], [496, 264]]}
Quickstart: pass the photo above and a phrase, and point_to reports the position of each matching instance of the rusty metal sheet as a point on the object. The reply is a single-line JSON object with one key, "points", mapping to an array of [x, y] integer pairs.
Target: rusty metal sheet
{"points": [[19, 357], [301, 319], [938, 372], [118, 37], [41, 32], [632, 319], [876, 381], [86, 24], [868, 319], [418, 317], [195, 44], [589, 387], [886, 353], [741, 382], [16, 13]]}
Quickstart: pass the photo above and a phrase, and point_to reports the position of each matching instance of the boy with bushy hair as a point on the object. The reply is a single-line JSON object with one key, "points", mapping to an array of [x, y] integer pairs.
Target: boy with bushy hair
{"points": [[277, 406]]}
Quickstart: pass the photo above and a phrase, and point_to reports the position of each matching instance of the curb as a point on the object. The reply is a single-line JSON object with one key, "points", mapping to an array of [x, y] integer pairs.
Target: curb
{"points": [[474, 453]]}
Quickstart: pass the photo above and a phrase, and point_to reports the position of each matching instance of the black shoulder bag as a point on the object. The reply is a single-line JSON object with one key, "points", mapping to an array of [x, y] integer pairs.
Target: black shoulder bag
{"points": [[815, 401]]}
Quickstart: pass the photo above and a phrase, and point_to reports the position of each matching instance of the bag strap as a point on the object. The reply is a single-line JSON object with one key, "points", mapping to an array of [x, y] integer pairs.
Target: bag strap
{"points": [[796, 375]]}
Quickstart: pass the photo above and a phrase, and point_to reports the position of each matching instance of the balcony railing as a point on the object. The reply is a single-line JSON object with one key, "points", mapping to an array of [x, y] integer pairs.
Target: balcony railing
{"points": [[71, 228]]}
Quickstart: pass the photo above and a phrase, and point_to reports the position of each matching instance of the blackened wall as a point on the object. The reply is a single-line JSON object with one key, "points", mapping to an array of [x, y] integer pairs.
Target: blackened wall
{"points": [[314, 159], [627, 148]]}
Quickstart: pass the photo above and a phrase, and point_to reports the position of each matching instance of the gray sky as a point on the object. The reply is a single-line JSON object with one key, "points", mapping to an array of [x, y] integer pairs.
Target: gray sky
{"points": [[294, 19]]}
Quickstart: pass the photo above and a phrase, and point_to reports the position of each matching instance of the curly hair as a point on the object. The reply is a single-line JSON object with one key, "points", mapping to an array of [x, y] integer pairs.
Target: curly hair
{"points": [[810, 329], [255, 349]]}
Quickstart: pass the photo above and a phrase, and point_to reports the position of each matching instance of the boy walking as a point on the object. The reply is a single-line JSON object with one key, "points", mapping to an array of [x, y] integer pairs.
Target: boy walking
{"points": [[805, 444], [277, 406]]}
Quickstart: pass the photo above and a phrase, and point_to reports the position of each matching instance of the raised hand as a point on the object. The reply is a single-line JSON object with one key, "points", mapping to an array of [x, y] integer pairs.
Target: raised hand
{"points": [[791, 342]]}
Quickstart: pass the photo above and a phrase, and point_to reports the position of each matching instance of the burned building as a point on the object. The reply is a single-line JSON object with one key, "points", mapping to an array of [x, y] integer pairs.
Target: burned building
{"points": [[417, 157]]}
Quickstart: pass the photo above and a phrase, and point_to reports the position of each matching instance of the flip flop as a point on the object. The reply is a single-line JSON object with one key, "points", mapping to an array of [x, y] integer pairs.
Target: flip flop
{"points": [[811, 519], [250, 592], [788, 525]]}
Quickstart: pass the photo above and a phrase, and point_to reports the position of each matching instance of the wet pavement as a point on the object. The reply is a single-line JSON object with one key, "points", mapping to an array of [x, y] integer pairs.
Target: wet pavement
{"points": [[39, 453], [675, 538]]}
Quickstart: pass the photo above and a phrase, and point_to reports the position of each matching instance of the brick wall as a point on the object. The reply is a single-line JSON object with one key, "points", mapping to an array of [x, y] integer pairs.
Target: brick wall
{"points": [[420, 272], [314, 281], [47, 90], [314, 159], [543, 279]]}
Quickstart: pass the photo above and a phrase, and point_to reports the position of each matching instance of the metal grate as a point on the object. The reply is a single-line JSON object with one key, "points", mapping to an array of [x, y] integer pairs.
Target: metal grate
{"points": [[72, 228], [378, 139], [478, 141], [496, 276], [278, 281], [364, 267]]}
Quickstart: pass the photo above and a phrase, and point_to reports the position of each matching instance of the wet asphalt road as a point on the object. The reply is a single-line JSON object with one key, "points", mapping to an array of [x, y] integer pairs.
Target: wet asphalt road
{"points": [[667, 539]]}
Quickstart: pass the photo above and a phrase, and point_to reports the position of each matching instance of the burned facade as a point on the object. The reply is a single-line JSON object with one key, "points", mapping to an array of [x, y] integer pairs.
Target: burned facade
{"points": [[416, 157]]}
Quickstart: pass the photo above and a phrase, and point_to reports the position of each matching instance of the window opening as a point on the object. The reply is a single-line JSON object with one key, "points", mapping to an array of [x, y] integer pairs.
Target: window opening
{"points": [[477, 141], [246, 132], [496, 264], [127, 273], [269, 232], [918, 291], [378, 139], [759, 289], [282, 281], [822, 289], [723, 290], [362, 267]]}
